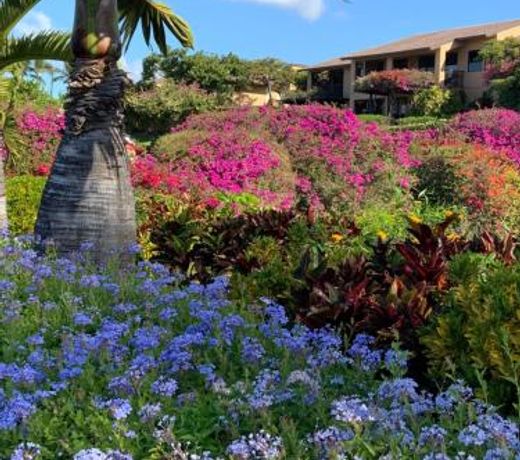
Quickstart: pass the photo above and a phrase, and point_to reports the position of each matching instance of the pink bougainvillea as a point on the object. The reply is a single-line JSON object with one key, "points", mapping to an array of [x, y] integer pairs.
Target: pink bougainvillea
{"points": [[403, 81], [498, 129], [41, 134], [334, 155]]}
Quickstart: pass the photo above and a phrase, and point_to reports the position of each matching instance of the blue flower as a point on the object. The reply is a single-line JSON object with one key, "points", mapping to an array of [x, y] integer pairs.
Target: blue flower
{"points": [[473, 435], [256, 446], [26, 451], [150, 412], [352, 410], [329, 440], [82, 319], [432, 436], [361, 352], [119, 408], [252, 350], [164, 387], [498, 454]]}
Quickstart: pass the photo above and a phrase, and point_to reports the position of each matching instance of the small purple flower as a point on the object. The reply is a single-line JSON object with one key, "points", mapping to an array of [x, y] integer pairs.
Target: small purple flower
{"points": [[352, 410], [432, 436], [473, 435], [329, 440], [256, 446], [119, 408], [90, 454], [26, 451], [165, 387], [150, 412], [82, 319], [252, 350], [361, 352]]}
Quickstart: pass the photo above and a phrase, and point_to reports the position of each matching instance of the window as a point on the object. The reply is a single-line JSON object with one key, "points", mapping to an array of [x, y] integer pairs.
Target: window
{"points": [[452, 61], [374, 66], [427, 62], [475, 63], [400, 63]]}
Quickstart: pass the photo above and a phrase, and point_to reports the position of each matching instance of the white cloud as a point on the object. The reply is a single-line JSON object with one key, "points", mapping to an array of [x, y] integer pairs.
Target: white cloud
{"points": [[35, 21], [309, 9]]}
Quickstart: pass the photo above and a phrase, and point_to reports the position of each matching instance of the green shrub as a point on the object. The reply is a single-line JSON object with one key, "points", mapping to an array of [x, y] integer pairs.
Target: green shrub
{"points": [[374, 118], [156, 110], [477, 334], [436, 102], [23, 199], [174, 146], [438, 182]]}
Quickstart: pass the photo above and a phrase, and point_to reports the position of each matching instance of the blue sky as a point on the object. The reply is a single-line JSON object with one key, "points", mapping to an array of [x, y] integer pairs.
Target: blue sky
{"points": [[299, 31]]}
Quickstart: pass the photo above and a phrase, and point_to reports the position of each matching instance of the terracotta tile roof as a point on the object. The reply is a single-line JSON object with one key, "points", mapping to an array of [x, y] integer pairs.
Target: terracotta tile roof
{"points": [[330, 64], [433, 40]]}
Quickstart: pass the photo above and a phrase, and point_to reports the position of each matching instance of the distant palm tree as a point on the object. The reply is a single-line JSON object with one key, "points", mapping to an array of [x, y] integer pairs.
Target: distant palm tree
{"points": [[89, 196], [13, 50]]}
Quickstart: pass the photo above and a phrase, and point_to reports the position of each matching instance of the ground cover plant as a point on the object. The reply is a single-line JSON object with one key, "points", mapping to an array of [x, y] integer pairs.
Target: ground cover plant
{"points": [[133, 362]]}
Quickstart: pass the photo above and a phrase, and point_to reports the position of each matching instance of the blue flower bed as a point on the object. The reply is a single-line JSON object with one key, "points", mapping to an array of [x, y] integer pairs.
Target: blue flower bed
{"points": [[134, 362]]}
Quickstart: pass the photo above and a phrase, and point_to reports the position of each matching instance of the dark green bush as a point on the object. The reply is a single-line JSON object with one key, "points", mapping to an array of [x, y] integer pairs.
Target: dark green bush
{"points": [[23, 199], [438, 182], [477, 334], [156, 110]]}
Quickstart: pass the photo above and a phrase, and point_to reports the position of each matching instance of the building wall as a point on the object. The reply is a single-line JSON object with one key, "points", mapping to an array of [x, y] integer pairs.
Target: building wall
{"points": [[474, 83], [256, 98]]}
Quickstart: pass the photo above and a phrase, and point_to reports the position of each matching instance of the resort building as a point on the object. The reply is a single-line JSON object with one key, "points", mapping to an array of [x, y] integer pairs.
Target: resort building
{"points": [[451, 55]]}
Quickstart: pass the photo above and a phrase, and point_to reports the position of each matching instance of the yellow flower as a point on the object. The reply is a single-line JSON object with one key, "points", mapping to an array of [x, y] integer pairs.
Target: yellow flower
{"points": [[382, 235], [414, 219], [449, 214], [336, 237], [452, 236]]}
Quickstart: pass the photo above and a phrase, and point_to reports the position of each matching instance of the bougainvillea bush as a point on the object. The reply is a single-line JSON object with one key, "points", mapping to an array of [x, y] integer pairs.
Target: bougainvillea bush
{"points": [[396, 81], [41, 132], [130, 362], [498, 129], [335, 159]]}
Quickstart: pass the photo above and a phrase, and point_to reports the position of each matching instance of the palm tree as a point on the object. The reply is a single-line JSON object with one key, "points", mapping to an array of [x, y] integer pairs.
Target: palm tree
{"points": [[42, 45], [89, 197]]}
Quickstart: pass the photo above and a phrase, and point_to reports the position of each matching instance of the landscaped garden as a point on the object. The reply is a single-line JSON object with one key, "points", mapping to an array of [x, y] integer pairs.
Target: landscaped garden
{"points": [[306, 284], [308, 259]]}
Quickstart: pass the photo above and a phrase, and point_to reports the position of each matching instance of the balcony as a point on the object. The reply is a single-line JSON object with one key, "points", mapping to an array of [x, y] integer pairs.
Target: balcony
{"points": [[454, 79]]}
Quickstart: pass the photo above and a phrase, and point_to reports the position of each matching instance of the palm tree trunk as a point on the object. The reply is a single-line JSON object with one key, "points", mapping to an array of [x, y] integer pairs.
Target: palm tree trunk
{"points": [[89, 196], [3, 200]]}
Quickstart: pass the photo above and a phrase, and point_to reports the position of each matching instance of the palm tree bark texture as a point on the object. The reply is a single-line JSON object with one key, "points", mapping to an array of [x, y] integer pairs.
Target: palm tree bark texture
{"points": [[89, 197]]}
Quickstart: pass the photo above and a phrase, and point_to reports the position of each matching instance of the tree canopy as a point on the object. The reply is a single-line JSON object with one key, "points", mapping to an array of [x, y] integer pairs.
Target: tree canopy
{"points": [[219, 74], [503, 71]]}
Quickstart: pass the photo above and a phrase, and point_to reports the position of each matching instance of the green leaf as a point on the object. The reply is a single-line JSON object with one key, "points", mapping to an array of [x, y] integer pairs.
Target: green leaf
{"points": [[11, 11], [42, 45], [154, 17]]}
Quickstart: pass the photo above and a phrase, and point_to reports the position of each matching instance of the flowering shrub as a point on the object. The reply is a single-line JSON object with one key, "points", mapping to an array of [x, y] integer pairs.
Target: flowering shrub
{"points": [[498, 129], [41, 133], [131, 363], [396, 81], [229, 162], [337, 159]]}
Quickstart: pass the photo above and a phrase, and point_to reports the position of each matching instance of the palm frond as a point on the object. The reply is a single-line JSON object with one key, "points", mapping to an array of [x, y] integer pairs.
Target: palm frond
{"points": [[43, 45], [11, 11], [155, 17]]}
